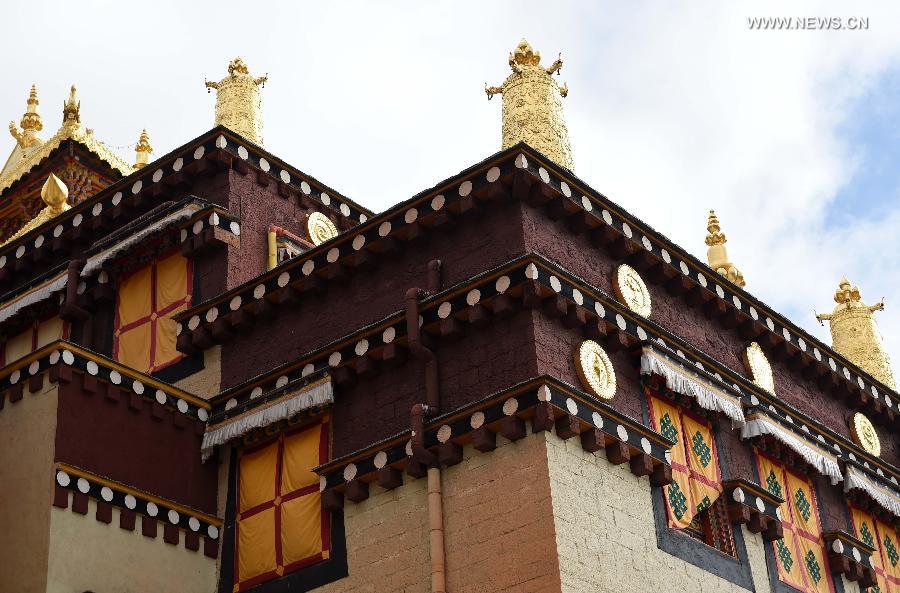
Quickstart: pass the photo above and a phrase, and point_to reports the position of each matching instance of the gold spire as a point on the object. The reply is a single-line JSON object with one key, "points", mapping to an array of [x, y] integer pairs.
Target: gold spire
{"points": [[238, 102], [142, 150], [31, 122], [54, 193], [532, 105], [717, 253], [855, 335], [72, 108]]}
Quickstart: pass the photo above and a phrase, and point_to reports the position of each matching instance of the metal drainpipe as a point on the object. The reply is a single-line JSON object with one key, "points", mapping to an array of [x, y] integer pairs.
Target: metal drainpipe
{"points": [[417, 425], [70, 309]]}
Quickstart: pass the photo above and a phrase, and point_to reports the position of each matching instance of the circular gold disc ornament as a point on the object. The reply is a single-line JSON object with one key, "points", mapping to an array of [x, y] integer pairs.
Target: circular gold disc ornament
{"points": [[759, 368], [864, 434], [631, 290], [320, 228], [595, 369]]}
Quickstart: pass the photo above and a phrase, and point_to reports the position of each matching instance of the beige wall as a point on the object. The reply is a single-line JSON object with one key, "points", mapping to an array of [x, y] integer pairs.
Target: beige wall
{"points": [[499, 528], [88, 555], [606, 532], [206, 383], [27, 430]]}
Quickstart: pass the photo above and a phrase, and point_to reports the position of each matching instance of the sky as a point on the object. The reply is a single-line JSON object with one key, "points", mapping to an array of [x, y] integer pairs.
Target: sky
{"points": [[792, 136]]}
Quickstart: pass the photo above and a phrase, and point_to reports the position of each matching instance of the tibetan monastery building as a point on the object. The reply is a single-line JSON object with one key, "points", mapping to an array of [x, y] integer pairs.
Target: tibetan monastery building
{"points": [[222, 375]]}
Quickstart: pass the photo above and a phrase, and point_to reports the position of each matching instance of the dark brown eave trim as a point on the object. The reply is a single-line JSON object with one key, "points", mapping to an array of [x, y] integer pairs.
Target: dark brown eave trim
{"points": [[549, 403], [176, 518], [514, 175], [219, 148], [531, 281], [63, 361]]}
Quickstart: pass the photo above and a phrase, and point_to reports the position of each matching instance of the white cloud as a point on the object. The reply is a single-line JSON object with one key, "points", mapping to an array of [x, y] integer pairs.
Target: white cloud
{"points": [[674, 108]]}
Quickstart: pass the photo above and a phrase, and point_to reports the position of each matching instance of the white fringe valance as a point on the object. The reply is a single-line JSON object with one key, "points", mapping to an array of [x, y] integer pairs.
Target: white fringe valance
{"points": [[823, 462], [35, 295], [310, 396], [887, 498], [96, 261], [707, 395]]}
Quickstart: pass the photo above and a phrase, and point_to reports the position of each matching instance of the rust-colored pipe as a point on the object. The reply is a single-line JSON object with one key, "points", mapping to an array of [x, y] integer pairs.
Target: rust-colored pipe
{"points": [[418, 413], [70, 311]]}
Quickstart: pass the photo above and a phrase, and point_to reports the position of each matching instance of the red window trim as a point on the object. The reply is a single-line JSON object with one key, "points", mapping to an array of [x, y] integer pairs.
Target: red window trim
{"points": [[324, 437], [118, 330]]}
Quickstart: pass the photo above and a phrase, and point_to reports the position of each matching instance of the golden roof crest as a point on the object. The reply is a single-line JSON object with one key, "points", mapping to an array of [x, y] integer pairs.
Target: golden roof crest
{"points": [[532, 105], [31, 122], [142, 150], [23, 160], [54, 193], [717, 253], [855, 335], [238, 101]]}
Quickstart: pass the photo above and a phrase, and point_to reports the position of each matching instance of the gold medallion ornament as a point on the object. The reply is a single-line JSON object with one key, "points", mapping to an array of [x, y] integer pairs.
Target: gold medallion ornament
{"points": [[320, 228], [864, 434], [759, 368], [595, 369], [631, 290]]}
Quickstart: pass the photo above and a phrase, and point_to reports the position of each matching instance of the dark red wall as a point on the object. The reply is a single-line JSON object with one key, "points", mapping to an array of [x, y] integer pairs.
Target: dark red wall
{"points": [[108, 437], [478, 243]]}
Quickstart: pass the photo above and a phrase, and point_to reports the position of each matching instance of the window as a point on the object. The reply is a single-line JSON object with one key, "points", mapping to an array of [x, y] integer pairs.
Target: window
{"points": [[692, 499], [144, 336], [886, 558], [280, 526], [800, 556], [38, 335]]}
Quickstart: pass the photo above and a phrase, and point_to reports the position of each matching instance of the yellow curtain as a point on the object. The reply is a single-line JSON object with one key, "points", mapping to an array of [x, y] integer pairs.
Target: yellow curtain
{"points": [[696, 477], [883, 538], [801, 557], [146, 301], [280, 503]]}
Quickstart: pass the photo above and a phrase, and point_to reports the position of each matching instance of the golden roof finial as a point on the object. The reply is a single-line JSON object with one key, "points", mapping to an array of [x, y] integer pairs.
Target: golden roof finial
{"points": [[31, 122], [238, 101], [54, 193], [72, 108], [717, 253], [855, 335], [532, 105], [142, 150]]}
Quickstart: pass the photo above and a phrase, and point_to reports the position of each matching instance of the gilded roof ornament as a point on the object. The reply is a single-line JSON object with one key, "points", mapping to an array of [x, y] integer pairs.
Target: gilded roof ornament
{"points": [[142, 150], [855, 335], [31, 122], [717, 253], [238, 101], [21, 161], [54, 193], [532, 105], [72, 108]]}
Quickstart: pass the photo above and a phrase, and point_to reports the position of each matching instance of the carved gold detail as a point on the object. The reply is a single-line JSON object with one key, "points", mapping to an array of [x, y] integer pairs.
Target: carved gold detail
{"points": [[31, 122], [864, 434], [532, 106], [855, 335], [238, 101], [54, 194], [759, 368], [595, 369], [320, 228], [21, 160], [142, 150], [717, 254], [631, 290]]}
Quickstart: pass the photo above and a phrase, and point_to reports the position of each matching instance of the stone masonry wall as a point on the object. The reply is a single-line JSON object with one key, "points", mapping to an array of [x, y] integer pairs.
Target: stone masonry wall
{"points": [[498, 528], [606, 534]]}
